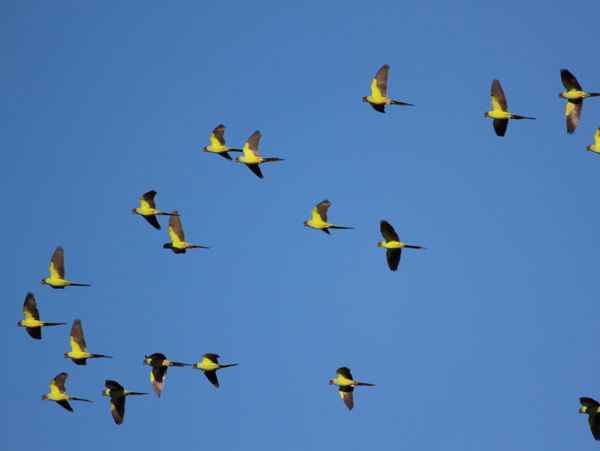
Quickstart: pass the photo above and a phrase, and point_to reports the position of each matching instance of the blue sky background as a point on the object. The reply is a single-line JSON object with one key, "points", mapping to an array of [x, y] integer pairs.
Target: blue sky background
{"points": [[485, 339]]}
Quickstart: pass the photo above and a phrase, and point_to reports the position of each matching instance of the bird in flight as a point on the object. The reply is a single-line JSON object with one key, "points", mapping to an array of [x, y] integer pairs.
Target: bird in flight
{"points": [[148, 209], [575, 97], [251, 156], [117, 399], [209, 366], [591, 407], [347, 384], [379, 99], [500, 113], [217, 143], [159, 364], [393, 245], [58, 393], [595, 147], [57, 272], [319, 218], [32, 318], [79, 353], [178, 244]]}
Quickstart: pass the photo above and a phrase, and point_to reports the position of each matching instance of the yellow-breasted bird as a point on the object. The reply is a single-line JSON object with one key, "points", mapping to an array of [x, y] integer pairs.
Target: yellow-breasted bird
{"points": [[592, 407], [178, 244], [251, 156], [117, 399], [58, 393], [595, 147], [57, 272], [319, 219], [379, 99], [79, 353], [217, 143], [209, 366], [148, 209], [32, 318], [159, 364], [500, 113], [575, 97], [347, 384], [393, 245]]}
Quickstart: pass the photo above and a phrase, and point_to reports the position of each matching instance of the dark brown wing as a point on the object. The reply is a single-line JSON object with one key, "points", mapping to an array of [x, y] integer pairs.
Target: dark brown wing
{"points": [[175, 225], [344, 372], [388, 232], [149, 198], [322, 210], [212, 377], [393, 258], [156, 356], [347, 396], [574, 115], [65, 404], [381, 78], [153, 221], [218, 134], [158, 379], [253, 143], [117, 408], [589, 402], [214, 358], [34, 332], [31, 306], [254, 168], [500, 126], [58, 260], [378, 107], [59, 382], [112, 385], [498, 94], [569, 81], [77, 335]]}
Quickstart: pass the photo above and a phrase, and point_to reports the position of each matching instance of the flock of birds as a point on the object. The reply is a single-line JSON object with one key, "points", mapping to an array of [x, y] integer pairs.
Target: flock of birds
{"points": [[252, 159]]}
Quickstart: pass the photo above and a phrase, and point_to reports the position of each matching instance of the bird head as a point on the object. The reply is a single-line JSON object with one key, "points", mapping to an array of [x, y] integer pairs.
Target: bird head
{"points": [[134, 211], [147, 361], [66, 356], [106, 393], [44, 282], [487, 114], [168, 246], [19, 323], [562, 95], [380, 244], [583, 410], [205, 149], [365, 99], [45, 397], [588, 148], [238, 160], [332, 382]]}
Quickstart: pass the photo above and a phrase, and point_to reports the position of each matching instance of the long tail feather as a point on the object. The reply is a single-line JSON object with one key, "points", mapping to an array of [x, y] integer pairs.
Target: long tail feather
{"points": [[97, 356], [339, 227], [78, 285], [394, 102], [54, 324], [230, 364], [514, 116]]}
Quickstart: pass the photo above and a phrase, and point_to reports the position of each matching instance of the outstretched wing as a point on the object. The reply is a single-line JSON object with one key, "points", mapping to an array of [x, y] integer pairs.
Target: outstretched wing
{"points": [[254, 168], [216, 137], [573, 114], [58, 384], [57, 264], [157, 377], [147, 200], [393, 258], [498, 98], [251, 147], [112, 385], [379, 86], [388, 232], [117, 408], [77, 341], [175, 229], [319, 213], [569, 81], [30, 308], [347, 396], [212, 377]]}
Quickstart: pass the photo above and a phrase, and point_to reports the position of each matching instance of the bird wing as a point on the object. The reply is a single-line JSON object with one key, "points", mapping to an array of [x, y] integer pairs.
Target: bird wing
{"points": [[251, 146], [319, 213], [256, 169], [379, 85], [212, 377], [57, 264], [388, 232], [30, 308], [156, 356], [498, 98], [77, 340], [393, 258], [347, 396], [344, 373], [211, 358], [65, 404], [147, 200], [157, 377], [175, 229], [573, 114], [569, 81], [216, 137], [153, 221], [112, 385], [589, 402], [58, 384], [500, 126], [34, 332], [117, 408]]}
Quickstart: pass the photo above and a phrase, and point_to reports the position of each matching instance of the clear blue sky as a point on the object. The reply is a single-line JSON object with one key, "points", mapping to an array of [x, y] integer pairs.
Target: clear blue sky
{"points": [[486, 339]]}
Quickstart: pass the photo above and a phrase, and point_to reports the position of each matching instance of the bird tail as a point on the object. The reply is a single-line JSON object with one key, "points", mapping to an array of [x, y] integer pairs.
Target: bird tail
{"points": [[364, 383], [167, 214], [234, 150], [53, 324], [78, 285], [339, 227], [230, 364], [394, 102], [78, 399], [269, 160], [136, 393], [97, 356], [514, 116], [593, 94], [179, 364], [406, 246], [193, 246]]}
